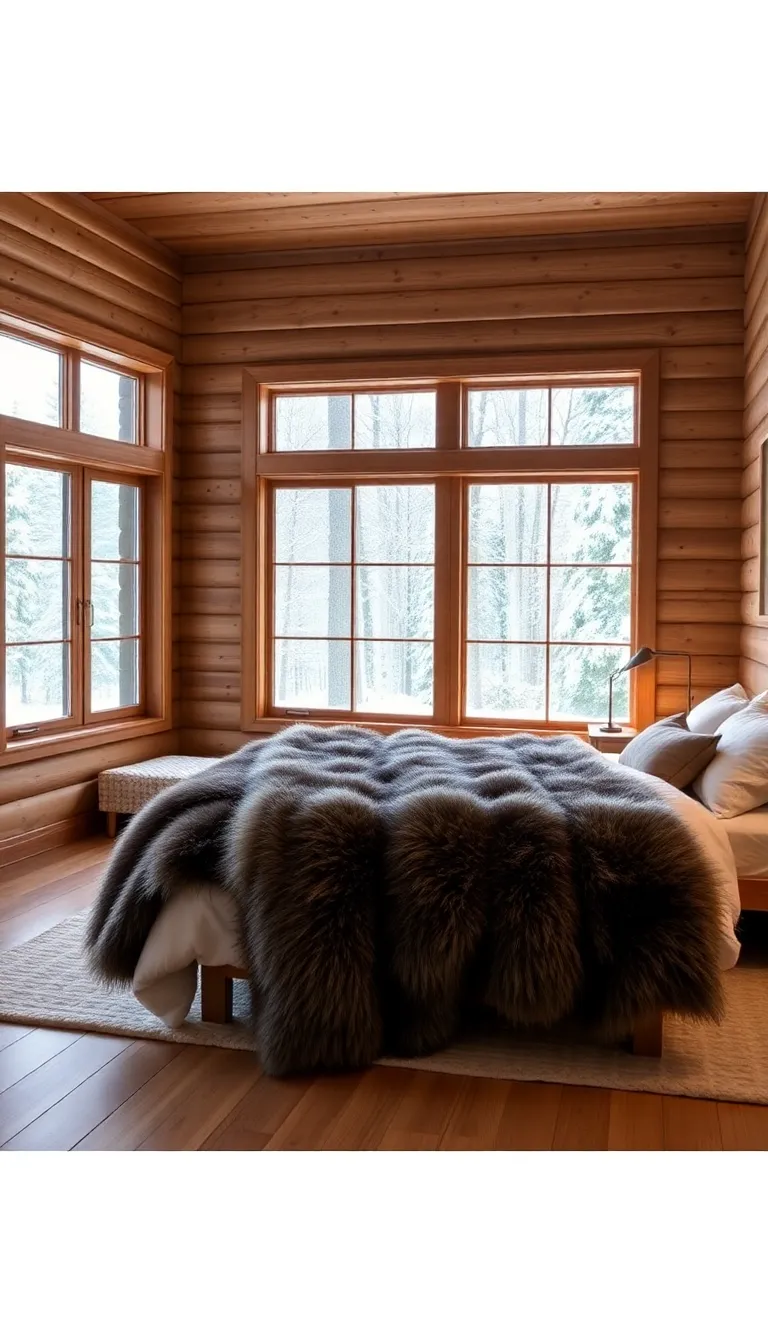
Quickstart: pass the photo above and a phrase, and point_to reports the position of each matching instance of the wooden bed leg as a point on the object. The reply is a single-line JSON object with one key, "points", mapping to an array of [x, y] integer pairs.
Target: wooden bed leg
{"points": [[111, 825], [215, 994], [648, 1035]]}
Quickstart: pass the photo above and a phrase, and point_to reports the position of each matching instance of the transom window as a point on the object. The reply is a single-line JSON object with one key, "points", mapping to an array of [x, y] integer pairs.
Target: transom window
{"points": [[35, 383], [460, 551], [318, 422]]}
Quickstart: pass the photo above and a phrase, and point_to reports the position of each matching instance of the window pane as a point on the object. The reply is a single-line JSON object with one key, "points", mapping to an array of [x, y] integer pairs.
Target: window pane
{"points": [[393, 678], [312, 423], [507, 603], [506, 681], [590, 603], [114, 674], [108, 403], [314, 526], [395, 420], [30, 381], [508, 418], [36, 511], [312, 673], [593, 415], [36, 600], [395, 524], [579, 682], [394, 602], [312, 600], [507, 524], [115, 598], [114, 521], [37, 681], [592, 523]]}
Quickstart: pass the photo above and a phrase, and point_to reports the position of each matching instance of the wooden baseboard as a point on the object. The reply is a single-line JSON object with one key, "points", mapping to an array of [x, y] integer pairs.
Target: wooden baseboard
{"points": [[18, 847]]}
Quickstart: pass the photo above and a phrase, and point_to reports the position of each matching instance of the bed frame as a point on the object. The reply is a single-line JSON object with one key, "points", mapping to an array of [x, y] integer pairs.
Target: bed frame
{"points": [[216, 984], [647, 1037]]}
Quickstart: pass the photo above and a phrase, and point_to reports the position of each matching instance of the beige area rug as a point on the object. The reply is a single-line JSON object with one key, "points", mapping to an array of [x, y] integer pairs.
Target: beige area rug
{"points": [[45, 983]]}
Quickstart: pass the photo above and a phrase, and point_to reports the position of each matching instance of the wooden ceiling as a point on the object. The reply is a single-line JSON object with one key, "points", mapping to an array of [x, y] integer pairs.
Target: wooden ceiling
{"points": [[242, 221]]}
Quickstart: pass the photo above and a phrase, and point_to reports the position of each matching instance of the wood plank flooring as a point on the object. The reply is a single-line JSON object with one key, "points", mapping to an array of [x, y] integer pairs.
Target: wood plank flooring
{"points": [[65, 1090]]}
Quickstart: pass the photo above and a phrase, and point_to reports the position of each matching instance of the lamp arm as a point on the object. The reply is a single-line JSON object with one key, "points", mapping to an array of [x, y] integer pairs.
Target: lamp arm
{"points": [[680, 653]]}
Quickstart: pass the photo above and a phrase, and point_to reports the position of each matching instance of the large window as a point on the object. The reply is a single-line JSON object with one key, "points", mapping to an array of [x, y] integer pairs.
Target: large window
{"points": [[461, 551], [549, 609], [83, 528], [72, 620], [353, 588]]}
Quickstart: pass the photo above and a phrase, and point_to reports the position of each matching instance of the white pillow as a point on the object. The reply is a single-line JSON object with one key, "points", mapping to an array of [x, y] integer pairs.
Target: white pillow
{"points": [[708, 716], [736, 779]]}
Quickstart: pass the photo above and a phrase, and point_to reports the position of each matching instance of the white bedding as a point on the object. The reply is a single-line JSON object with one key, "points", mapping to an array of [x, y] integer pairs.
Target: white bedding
{"points": [[748, 836], [199, 924]]}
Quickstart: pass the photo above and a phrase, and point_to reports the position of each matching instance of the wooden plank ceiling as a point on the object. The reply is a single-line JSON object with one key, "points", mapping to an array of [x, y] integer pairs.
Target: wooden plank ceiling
{"points": [[221, 221]]}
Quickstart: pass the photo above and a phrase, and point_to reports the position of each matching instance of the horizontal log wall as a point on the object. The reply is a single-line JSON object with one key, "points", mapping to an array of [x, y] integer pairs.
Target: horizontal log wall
{"points": [[754, 635], [680, 291], [64, 260]]}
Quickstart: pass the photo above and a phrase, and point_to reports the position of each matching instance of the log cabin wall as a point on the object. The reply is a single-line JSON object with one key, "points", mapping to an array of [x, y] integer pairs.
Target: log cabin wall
{"points": [[63, 259], [754, 637], [678, 291]]}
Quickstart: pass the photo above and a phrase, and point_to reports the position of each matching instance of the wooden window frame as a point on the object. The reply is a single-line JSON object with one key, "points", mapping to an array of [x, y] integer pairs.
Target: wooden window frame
{"points": [[137, 711], [452, 468], [81, 715], [148, 462]]}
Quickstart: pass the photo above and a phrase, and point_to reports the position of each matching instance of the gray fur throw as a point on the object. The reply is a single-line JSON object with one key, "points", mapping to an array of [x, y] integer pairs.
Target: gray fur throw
{"points": [[392, 888]]}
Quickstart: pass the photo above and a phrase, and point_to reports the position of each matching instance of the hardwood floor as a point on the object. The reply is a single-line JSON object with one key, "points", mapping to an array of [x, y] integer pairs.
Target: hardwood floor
{"points": [[65, 1090]]}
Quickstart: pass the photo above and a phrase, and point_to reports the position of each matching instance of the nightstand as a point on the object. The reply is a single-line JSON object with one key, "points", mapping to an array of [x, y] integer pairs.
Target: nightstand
{"points": [[610, 742]]}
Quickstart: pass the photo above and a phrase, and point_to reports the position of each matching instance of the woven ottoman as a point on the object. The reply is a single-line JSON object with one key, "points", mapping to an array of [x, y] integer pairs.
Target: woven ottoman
{"points": [[126, 788]]}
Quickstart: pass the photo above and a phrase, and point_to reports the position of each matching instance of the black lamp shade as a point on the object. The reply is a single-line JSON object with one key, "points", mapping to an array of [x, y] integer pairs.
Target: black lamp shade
{"points": [[643, 655]]}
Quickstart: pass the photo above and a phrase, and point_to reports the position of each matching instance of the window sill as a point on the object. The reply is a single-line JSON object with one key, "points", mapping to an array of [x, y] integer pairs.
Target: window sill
{"points": [[276, 724], [79, 739]]}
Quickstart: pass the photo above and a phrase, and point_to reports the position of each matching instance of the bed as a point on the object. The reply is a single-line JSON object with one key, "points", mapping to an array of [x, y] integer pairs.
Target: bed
{"points": [[199, 926], [748, 838]]}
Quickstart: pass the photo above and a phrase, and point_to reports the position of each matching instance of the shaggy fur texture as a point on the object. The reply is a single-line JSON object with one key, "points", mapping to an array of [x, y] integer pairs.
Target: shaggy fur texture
{"points": [[390, 886]]}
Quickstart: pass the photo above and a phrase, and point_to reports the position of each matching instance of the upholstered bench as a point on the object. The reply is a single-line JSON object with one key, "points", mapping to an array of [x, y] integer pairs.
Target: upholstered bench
{"points": [[126, 788]]}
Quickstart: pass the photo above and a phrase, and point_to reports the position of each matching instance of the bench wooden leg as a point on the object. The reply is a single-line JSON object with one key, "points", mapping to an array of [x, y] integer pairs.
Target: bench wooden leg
{"points": [[111, 825], [215, 994], [648, 1035]]}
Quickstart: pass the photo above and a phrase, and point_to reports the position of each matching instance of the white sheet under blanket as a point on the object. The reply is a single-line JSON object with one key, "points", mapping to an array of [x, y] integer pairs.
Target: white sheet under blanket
{"points": [[199, 924]]}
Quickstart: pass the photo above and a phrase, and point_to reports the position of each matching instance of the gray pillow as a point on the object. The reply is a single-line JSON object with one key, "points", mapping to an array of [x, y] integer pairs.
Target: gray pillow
{"points": [[669, 750]]}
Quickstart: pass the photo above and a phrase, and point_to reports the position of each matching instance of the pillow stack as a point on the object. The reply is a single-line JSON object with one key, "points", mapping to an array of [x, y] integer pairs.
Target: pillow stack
{"points": [[736, 779], [720, 749]]}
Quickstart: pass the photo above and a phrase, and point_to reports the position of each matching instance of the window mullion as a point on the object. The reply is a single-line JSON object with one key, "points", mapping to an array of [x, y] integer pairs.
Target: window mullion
{"points": [[548, 631], [70, 410], [78, 614], [448, 632], [448, 416]]}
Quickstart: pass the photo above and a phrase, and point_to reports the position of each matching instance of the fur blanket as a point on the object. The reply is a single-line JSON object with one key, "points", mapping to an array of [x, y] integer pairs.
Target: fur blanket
{"points": [[391, 887]]}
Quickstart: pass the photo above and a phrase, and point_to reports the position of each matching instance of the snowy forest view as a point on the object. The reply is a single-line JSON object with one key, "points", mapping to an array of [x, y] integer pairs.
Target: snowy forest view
{"points": [[548, 564], [548, 578], [38, 588], [38, 566]]}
